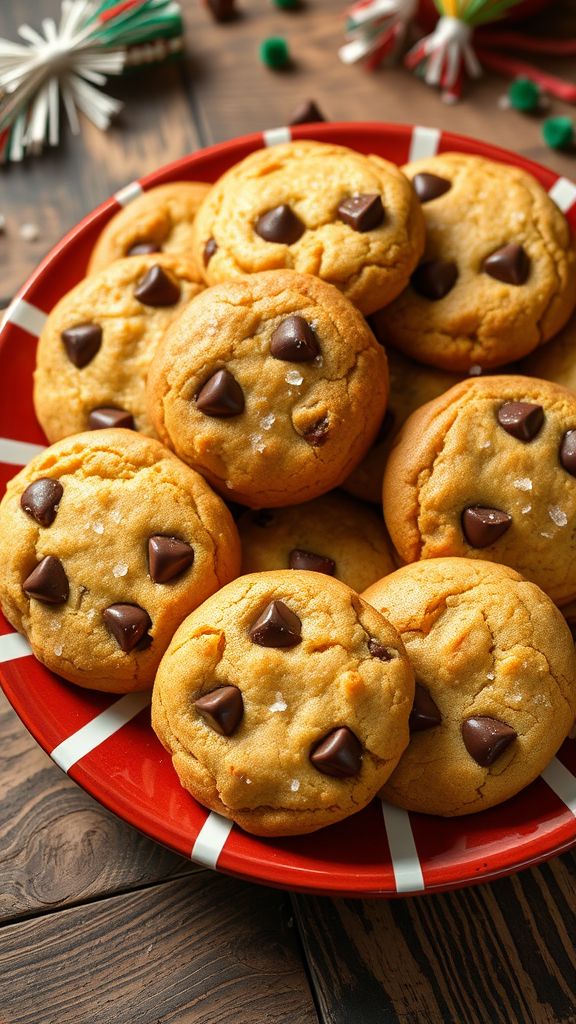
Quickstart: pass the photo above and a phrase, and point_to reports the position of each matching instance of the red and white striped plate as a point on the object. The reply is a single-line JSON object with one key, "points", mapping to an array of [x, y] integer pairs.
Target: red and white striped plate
{"points": [[106, 744]]}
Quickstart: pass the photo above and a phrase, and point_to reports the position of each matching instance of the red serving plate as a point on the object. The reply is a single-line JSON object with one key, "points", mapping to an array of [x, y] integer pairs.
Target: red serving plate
{"points": [[105, 742]]}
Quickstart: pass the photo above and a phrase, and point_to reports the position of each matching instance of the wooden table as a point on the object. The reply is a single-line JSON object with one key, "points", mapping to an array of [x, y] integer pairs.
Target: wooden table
{"points": [[100, 925]]}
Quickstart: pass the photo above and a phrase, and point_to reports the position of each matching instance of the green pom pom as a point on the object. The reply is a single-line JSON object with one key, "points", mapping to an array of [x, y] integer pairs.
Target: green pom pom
{"points": [[558, 132], [524, 95], [286, 5], [274, 52]]}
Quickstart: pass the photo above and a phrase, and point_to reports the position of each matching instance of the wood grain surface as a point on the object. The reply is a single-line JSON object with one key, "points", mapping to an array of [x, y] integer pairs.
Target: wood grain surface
{"points": [[98, 925]]}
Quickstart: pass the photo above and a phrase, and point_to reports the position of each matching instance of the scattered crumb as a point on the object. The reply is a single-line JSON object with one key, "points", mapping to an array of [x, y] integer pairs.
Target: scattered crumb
{"points": [[29, 232]]}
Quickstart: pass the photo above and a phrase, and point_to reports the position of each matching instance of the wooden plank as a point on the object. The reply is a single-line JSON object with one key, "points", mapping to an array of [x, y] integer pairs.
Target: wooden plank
{"points": [[500, 953], [57, 189], [57, 845], [204, 950]]}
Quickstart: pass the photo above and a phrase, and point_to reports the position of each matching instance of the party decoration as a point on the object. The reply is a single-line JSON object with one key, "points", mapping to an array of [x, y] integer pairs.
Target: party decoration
{"points": [[524, 94], [558, 132], [274, 53], [376, 29], [70, 62]]}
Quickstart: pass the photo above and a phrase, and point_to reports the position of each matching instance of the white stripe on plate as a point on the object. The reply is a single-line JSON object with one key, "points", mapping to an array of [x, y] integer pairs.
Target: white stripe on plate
{"points": [[12, 646], [128, 193], [424, 142], [99, 729], [26, 316], [562, 782], [211, 839], [405, 862], [563, 192], [18, 453], [275, 136]]}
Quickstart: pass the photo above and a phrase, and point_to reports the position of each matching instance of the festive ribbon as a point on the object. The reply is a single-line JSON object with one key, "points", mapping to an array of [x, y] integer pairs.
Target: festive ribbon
{"points": [[71, 61], [375, 29]]}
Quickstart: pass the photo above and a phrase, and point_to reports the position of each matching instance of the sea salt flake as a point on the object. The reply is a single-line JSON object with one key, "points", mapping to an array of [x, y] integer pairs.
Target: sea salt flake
{"points": [[541, 699], [485, 444], [558, 516], [295, 785], [523, 483], [318, 361], [490, 675], [58, 650], [55, 625], [279, 703], [294, 377], [526, 509], [91, 613], [120, 569], [247, 780], [268, 421], [98, 528], [257, 442], [116, 515], [548, 536]]}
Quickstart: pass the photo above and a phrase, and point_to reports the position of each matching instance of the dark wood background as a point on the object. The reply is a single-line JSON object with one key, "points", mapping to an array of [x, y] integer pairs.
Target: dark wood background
{"points": [[97, 923]]}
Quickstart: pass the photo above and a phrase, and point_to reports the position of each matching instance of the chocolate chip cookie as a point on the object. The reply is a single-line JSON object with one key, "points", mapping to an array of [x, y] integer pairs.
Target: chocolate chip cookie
{"points": [[160, 220], [284, 701], [107, 542], [495, 683], [271, 385], [488, 470], [411, 385], [317, 208], [498, 276], [334, 535], [97, 344]]}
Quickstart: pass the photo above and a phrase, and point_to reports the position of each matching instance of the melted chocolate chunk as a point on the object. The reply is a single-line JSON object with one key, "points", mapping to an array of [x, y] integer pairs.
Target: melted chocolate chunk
{"points": [[209, 250], [486, 739], [299, 559], [48, 582], [522, 420], [425, 713], [157, 288], [168, 557], [129, 625], [41, 500], [294, 341], [317, 434], [222, 709], [510, 264], [280, 225], [221, 395], [430, 186], [363, 213], [82, 343], [339, 754], [434, 279], [276, 626], [484, 526], [100, 419]]}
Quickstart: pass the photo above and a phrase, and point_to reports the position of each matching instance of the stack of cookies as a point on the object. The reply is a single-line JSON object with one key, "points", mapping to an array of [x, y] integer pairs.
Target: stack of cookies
{"points": [[317, 319]]}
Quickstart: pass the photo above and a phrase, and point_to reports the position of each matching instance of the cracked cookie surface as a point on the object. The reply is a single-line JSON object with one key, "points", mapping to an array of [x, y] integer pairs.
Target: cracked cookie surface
{"points": [[272, 386], [496, 659], [109, 520], [247, 724], [160, 220], [368, 248], [498, 275], [98, 342], [332, 534], [488, 470]]}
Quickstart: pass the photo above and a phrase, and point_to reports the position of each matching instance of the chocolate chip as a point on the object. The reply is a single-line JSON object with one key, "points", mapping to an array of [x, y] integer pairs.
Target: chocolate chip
{"points": [[317, 434], [107, 416], [425, 713], [222, 10], [48, 582], [568, 452], [299, 559], [280, 225], [276, 626], [263, 517], [82, 343], [521, 419], [510, 264], [434, 279], [221, 395], [484, 526], [209, 250], [307, 113], [363, 213], [294, 341], [41, 499], [128, 624], [430, 186], [338, 754], [378, 650], [144, 249], [168, 557], [222, 709], [486, 739], [157, 288]]}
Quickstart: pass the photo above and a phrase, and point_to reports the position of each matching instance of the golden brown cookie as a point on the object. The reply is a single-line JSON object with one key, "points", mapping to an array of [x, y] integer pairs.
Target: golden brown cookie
{"points": [[498, 276], [495, 683], [555, 361], [488, 470], [160, 220], [97, 344], [317, 208], [284, 702], [411, 385], [272, 386], [107, 542], [333, 534]]}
